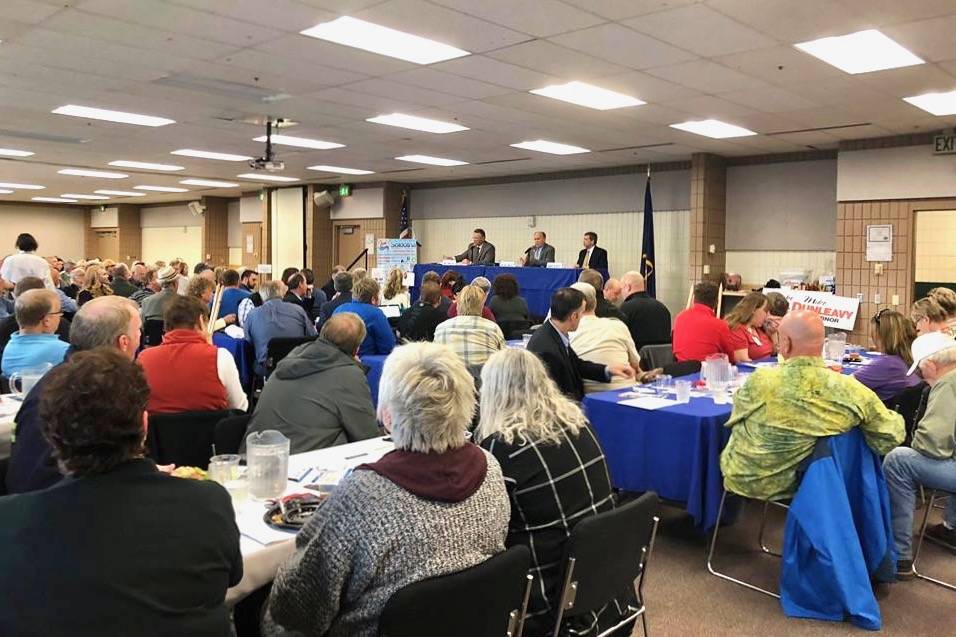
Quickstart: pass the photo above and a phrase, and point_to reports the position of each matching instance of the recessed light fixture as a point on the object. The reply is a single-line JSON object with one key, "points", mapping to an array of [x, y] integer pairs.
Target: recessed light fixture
{"points": [[120, 193], [300, 142], [264, 177], [434, 161], [935, 103], [588, 95], [21, 186], [88, 112], [161, 188], [210, 183], [12, 152], [713, 128], [207, 154], [341, 171], [54, 199], [83, 172], [860, 52], [71, 195], [543, 146], [145, 165], [383, 40], [417, 123]]}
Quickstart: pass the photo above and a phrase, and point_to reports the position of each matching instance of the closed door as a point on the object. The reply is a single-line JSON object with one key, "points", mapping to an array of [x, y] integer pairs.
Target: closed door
{"points": [[349, 243], [107, 245], [251, 244]]}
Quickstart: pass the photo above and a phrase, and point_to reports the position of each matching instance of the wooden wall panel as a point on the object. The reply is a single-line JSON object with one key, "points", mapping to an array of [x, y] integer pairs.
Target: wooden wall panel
{"points": [[215, 239], [130, 234]]}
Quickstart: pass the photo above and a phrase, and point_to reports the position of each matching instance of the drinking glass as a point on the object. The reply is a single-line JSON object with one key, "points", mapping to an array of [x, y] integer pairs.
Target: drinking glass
{"points": [[682, 389], [663, 384], [834, 347], [223, 468]]}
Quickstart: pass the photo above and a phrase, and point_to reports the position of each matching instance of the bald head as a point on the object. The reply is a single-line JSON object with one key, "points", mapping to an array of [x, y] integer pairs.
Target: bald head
{"points": [[631, 283], [107, 321], [345, 330], [801, 334]]}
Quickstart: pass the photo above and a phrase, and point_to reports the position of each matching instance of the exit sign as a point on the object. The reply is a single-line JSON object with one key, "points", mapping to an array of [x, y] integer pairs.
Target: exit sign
{"points": [[345, 190], [944, 144]]}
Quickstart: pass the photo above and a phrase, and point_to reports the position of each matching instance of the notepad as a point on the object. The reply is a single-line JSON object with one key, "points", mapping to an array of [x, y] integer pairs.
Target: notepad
{"points": [[649, 402]]}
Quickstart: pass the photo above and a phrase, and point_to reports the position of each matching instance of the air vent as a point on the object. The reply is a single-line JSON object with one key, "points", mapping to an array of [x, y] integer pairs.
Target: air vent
{"points": [[641, 147], [401, 170], [499, 161], [818, 129], [42, 137]]}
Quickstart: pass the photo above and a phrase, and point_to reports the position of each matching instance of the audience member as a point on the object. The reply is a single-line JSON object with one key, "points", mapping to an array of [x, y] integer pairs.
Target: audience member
{"points": [[232, 294], [120, 284], [604, 308], [648, 320], [507, 306], [314, 299], [77, 282], [946, 298], [614, 292], [435, 505], [779, 414], [133, 551], [287, 274], [451, 282], [358, 274], [551, 342], [418, 322], [379, 337], [297, 291], [274, 319], [110, 322], [478, 252], [540, 254], [318, 395], [773, 284], [777, 308], [342, 281], [444, 303], [930, 461], [731, 281], [182, 274], [893, 335], [108, 266], [929, 316], [249, 281], [36, 343], [25, 263], [150, 287], [138, 275], [471, 336], [698, 332], [603, 340], [592, 256], [329, 288], [201, 288], [187, 372], [395, 292], [484, 285], [747, 336], [97, 285], [562, 481], [9, 325]]}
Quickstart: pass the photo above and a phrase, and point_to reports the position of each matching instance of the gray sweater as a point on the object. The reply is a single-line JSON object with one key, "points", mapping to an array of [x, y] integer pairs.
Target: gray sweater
{"points": [[372, 538]]}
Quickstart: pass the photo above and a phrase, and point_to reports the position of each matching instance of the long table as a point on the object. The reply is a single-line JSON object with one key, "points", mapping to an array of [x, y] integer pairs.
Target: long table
{"points": [[535, 284]]}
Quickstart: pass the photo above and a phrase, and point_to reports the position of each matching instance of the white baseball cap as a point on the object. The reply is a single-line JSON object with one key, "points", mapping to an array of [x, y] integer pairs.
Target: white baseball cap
{"points": [[928, 344]]}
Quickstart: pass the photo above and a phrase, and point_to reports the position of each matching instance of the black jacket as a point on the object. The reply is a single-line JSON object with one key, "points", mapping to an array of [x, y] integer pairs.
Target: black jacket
{"points": [[418, 322], [598, 259], [564, 366], [606, 309], [329, 306], [648, 320], [129, 552]]}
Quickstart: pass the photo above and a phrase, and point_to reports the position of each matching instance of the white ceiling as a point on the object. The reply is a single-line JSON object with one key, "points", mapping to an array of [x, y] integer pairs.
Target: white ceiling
{"points": [[210, 63]]}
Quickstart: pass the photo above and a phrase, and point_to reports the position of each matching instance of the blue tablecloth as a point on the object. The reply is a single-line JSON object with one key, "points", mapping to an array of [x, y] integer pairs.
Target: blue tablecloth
{"points": [[674, 451], [535, 284], [243, 353], [374, 362]]}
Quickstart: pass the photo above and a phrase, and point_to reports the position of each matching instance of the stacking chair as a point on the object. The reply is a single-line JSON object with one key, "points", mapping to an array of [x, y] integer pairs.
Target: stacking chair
{"points": [[153, 330], [514, 329], [919, 545], [279, 348], [184, 438], [655, 356], [487, 600], [605, 554], [683, 368], [229, 433]]}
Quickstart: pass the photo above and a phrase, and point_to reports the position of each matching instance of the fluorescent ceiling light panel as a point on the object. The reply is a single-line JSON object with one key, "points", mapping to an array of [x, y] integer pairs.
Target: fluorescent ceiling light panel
{"points": [[207, 154], [860, 52], [588, 95], [543, 146], [88, 112], [211, 183], [417, 123], [145, 165], [434, 161], [713, 128], [54, 199], [102, 174], [4, 191], [341, 171], [21, 186], [12, 152], [120, 193], [71, 195], [264, 177], [300, 142], [161, 188], [383, 40], [935, 103]]}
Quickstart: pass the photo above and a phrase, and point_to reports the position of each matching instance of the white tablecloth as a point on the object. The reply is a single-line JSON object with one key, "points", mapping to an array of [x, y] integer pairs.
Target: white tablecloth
{"points": [[8, 411]]}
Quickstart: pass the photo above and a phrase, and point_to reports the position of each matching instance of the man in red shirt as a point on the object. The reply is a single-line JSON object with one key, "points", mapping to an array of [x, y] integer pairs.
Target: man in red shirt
{"points": [[698, 332]]}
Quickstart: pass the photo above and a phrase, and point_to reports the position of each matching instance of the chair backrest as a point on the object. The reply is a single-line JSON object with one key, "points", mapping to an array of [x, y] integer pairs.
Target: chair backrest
{"points": [[482, 601], [610, 551], [514, 329], [229, 433], [153, 330], [657, 355], [279, 348], [910, 403], [683, 368], [184, 438]]}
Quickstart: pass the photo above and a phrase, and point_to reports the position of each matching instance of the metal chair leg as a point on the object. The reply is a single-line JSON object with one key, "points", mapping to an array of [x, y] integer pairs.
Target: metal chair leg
{"points": [[710, 557], [763, 526], [919, 545]]}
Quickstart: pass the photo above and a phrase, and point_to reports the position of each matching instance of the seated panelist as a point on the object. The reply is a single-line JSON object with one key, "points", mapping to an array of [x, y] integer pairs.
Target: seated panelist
{"points": [[540, 253]]}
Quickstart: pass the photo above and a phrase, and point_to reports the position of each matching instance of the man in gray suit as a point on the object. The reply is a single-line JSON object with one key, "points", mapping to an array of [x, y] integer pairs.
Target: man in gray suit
{"points": [[480, 252], [540, 253]]}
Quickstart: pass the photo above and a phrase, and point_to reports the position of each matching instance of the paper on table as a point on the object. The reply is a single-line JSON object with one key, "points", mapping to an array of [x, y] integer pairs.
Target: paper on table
{"points": [[235, 331], [250, 523], [649, 402]]}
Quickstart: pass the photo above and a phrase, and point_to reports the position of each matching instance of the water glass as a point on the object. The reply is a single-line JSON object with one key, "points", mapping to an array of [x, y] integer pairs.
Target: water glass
{"points": [[682, 389], [663, 384], [223, 468], [834, 347], [238, 489]]}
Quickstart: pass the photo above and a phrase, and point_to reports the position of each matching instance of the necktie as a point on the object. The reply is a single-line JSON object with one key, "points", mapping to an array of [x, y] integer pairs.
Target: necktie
{"points": [[537, 254], [587, 258]]}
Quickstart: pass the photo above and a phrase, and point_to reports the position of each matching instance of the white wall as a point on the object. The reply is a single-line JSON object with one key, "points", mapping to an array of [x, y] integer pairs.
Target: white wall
{"points": [[105, 218], [57, 229], [250, 209], [758, 266], [169, 232], [785, 206], [907, 172], [288, 241], [176, 215], [363, 203]]}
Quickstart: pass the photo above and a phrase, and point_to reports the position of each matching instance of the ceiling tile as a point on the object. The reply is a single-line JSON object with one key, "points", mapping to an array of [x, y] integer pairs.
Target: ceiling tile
{"points": [[700, 29], [912, 80], [707, 107], [546, 57], [646, 87], [403, 92], [931, 39], [888, 12], [479, 67], [436, 80], [542, 18], [781, 65], [623, 46], [286, 15], [793, 21], [302, 48], [257, 64], [28, 11], [620, 9], [706, 76], [770, 99]]}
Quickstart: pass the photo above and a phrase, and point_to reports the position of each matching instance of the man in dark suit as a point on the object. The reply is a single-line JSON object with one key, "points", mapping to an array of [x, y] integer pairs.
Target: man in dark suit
{"points": [[342, 284], [552, 345], [592, 256], [648, 320], [298, 291], [540, 254], [480, 252]]}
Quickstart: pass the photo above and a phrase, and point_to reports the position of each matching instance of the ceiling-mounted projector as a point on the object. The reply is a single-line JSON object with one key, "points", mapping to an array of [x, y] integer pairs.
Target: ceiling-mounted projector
{"points": [[268, 161]]}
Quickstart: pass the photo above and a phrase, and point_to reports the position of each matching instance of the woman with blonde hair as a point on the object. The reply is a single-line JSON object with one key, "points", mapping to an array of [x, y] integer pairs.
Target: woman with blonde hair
{"points": [[470, 335], [747, 335], [946, 298], [526, 412], [95, 286], [929, 316], [893, 335], [395, 292]]}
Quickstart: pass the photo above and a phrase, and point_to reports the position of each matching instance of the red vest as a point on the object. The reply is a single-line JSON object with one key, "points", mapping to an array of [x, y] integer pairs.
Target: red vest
{"points": [[182, 374]]}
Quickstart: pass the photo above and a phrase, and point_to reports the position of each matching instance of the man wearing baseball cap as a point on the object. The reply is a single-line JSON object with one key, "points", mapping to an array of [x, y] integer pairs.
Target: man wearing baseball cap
{"points": [[931, 460]]}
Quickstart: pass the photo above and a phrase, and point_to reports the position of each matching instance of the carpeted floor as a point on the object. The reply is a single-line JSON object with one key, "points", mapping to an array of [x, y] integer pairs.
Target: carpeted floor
{"points": [[684, 599]]}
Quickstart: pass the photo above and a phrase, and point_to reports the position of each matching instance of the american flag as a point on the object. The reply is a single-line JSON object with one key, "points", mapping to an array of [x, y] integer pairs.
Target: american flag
{"points": [[405, 227]]}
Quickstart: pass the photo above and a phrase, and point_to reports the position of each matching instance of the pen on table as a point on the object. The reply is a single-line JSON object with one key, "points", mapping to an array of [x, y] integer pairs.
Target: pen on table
{"points": [[358, 455]]}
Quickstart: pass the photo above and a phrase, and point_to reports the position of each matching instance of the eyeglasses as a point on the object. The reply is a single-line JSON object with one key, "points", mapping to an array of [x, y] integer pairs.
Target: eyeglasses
{"points": [[60, 313]]}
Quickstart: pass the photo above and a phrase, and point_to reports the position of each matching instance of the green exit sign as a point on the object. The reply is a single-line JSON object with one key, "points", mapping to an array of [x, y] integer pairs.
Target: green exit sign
{"points": [[345, 190]]}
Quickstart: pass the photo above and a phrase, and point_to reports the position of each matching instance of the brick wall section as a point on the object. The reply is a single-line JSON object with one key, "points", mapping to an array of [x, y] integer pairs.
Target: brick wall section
{"points": [[215, 231], [708, 203]]}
